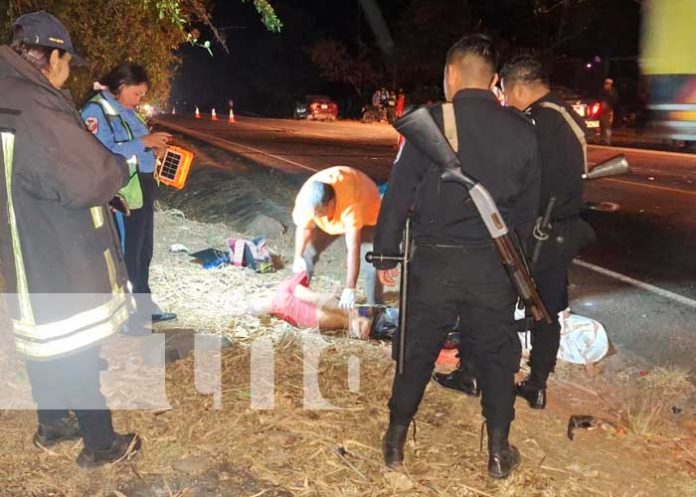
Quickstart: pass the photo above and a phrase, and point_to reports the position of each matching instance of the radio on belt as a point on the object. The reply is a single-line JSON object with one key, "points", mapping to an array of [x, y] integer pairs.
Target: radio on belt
{"points": [[174, 168]]}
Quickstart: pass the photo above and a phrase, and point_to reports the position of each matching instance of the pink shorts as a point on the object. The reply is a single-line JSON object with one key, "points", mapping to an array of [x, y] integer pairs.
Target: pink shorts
{"points": [[291, 309]]}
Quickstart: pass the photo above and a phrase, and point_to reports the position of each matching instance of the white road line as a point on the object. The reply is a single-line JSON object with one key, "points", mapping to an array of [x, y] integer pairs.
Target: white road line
{"points": [[637, 283], [643, 151], [212, 139], [654, 187]]}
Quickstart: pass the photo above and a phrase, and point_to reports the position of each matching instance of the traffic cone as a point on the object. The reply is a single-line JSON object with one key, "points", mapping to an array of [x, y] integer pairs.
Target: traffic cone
{"points": [[231, 120], [214, 116], [198, 113]]}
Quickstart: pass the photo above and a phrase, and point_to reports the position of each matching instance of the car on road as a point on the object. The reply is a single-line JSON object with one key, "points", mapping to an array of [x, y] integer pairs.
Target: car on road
{"points": [[588, 108], [316, 107]]}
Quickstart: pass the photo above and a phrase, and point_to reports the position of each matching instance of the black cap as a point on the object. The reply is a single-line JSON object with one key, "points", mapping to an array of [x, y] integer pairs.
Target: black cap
{"points": [[43, 29]]}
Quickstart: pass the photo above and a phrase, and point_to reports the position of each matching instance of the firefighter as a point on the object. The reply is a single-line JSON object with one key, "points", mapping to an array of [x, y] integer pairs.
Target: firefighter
{"points": [[112, 117], [63, 271], [456, 272], [338, 201]]}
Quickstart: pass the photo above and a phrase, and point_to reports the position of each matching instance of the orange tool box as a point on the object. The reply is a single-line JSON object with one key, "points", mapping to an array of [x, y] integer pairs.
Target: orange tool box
{"points": [[174, 168]]}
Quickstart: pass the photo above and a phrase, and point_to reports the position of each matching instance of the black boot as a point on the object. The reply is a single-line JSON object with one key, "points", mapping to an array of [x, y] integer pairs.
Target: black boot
{"points": [[62, 430], [502, 457], [393, 445], [532, 393], [120, 449], [460, 380]]}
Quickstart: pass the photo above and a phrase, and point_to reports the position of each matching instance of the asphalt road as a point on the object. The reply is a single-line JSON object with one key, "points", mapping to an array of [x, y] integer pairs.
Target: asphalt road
{"points": [[640, 277]]}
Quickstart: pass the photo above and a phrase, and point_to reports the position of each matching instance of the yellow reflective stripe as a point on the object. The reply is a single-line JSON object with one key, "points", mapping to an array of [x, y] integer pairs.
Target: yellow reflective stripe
{"points": [[69, 325], [105, 105], [97, 216], [25, 311], [132, 165], [111, 269], [77, 341]]}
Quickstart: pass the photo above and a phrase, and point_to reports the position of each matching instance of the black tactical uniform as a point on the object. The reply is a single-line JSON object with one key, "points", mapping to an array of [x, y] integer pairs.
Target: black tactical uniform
{"points": [[456, 271], [562, 157]]}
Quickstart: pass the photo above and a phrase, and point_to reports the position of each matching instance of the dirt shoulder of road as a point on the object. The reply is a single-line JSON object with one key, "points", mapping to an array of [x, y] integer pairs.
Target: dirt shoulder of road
{"points": [[295, 445]]}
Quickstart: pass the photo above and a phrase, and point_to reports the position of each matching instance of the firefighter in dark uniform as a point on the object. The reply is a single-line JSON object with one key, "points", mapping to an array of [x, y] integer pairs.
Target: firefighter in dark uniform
{"points": [[456, 272], [562, 154]]}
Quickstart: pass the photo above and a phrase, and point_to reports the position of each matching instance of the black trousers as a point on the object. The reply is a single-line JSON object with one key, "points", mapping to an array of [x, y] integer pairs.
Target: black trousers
{"points": [[552, 283], [138, 250], [469, 284], [551, 277], [71, 383]]}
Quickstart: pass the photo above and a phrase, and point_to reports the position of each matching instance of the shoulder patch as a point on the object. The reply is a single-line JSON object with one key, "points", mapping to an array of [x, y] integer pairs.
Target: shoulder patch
{"points": [[92, 125]]}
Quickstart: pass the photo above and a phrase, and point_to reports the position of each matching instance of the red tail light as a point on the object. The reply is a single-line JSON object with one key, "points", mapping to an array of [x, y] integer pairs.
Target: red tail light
{"points": [[595, 108]]}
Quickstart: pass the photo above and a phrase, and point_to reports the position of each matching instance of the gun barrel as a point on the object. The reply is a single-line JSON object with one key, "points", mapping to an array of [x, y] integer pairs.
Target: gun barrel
{"points": [[613, 167]]}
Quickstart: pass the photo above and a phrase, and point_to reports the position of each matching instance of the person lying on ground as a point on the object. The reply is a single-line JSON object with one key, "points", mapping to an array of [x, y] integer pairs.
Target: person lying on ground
{"points": [[297, 304]]}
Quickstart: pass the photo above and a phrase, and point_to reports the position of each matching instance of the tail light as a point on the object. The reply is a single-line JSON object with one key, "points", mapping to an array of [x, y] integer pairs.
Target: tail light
{"points": [[595, 109]]}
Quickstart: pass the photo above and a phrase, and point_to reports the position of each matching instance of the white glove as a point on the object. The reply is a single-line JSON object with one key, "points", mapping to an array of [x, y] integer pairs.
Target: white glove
{"points": [[347, 301], [299, 265]]}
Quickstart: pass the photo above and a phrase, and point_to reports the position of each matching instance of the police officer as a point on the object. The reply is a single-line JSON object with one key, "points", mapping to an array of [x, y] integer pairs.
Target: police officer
{"points": [[456, 272], [562, 152]]}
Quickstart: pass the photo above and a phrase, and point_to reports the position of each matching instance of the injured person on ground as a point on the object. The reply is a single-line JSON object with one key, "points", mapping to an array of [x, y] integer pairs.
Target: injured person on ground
{"points": [[297, 304]]}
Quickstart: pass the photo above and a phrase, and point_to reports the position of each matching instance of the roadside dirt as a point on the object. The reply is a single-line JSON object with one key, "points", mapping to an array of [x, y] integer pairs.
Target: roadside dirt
{"points": [[646, 445]]}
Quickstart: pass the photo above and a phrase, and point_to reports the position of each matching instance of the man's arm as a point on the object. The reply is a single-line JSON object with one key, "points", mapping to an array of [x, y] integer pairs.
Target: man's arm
{"points": [[302, 237], [353, 241]]}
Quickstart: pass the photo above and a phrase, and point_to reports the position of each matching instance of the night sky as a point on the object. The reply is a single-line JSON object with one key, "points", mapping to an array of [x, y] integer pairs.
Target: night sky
{"points": [[266, 72]]}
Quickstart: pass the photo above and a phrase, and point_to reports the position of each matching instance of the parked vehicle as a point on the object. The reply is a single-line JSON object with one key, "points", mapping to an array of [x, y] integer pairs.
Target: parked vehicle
{"points": [[589, 109], [316, 107]]}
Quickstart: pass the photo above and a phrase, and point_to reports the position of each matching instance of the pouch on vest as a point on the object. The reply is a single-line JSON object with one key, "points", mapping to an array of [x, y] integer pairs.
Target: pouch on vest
{"points": [[132, 193]]}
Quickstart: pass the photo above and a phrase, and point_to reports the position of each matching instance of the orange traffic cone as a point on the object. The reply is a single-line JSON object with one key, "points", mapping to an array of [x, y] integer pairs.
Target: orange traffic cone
{"points": [[231, 120], [198, 113], [213, 117]]}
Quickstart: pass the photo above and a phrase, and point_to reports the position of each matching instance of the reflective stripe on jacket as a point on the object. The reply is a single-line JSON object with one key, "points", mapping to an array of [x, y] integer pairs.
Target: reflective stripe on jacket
{"points": [[62, 269]]}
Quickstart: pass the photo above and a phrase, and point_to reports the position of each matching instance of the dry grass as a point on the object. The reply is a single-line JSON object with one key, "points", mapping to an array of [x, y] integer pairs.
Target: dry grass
{"points": [[292, 450]]}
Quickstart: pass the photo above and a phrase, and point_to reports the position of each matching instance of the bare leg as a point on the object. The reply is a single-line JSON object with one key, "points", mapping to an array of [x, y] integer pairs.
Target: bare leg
{"points": [[260, 306]]}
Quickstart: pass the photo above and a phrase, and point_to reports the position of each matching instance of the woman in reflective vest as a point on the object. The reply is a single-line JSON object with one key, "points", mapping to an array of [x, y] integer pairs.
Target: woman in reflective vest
{"points": [[112, 117]]}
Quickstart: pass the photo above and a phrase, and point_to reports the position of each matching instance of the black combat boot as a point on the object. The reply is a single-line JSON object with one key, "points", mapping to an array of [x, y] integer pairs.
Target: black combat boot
{"points": [[502, 457], [532, 393], [393, 445], [123, 447], [460, 380], [63, 430]]}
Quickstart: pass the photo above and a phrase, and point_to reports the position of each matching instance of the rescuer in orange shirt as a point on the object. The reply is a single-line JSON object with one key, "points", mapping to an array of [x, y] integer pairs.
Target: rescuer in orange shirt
{"points": [[338, 201]]}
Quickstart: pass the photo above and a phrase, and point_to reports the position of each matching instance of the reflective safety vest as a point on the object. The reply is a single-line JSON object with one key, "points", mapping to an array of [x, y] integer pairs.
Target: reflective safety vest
{"points": [[95, 317], [112, 115]]}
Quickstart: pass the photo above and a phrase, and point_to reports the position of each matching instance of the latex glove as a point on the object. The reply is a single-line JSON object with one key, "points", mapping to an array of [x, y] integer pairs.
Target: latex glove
{"points": [[347, 301], [299, 265]]}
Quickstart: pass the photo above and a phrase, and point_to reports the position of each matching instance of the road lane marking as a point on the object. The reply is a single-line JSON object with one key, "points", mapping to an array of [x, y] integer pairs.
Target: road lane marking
{"points": [[212, 139], [654, 187], [644, 151], [637, 283]]}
